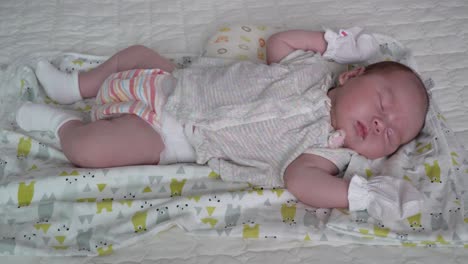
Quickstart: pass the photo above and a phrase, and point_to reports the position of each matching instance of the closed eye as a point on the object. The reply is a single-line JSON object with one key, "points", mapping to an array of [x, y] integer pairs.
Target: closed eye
{"points": [[389, 133], [381, 102], [392, 137]]}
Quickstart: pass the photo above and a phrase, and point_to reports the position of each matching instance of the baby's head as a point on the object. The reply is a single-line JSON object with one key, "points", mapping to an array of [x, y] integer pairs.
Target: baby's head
{"points": [[380, 108]]}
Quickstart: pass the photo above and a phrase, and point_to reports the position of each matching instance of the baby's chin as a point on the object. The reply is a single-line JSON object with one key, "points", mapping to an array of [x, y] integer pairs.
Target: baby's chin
{"points": [[358, 146], [370, 155], [361, 150]]}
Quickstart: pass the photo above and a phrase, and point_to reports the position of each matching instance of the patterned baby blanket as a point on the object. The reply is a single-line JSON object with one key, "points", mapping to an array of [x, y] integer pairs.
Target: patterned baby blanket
{"points": [[49, 207]]}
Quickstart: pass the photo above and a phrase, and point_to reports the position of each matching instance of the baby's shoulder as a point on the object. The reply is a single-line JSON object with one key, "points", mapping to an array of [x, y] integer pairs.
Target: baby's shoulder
{"points": [[339, 157], [315, 161]]}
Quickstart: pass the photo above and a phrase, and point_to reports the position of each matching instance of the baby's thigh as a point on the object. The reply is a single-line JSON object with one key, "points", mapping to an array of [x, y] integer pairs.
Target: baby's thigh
{"points": [[136, 141], [121, 141]]}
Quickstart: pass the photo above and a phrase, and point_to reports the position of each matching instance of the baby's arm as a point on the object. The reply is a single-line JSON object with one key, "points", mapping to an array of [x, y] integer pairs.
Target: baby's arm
{"points": [[281, 44], [312, 179], [346, 46]]}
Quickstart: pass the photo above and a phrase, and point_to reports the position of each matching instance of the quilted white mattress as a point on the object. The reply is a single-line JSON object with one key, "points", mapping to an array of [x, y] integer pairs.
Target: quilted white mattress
{"points": [[436, 31]]}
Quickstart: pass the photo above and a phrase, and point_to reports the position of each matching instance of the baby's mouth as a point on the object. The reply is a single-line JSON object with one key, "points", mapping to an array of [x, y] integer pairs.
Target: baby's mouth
{"points": [[361, 130]]}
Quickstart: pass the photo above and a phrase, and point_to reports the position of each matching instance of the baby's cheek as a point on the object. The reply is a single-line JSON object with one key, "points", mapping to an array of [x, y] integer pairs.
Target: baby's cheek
{"points": [[373, 150], [370, 148]]}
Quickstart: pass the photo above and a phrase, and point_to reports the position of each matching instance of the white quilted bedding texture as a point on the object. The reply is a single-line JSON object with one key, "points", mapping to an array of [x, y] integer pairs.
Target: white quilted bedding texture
{"points": [[436, 32]]}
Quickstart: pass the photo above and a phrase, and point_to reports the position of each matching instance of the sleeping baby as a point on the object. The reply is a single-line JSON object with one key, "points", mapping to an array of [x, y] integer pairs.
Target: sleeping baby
{"points": [[294, 122]]}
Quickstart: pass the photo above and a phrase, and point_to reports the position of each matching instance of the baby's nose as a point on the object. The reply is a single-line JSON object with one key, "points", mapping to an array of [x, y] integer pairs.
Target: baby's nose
{"points": [[378, 125]]}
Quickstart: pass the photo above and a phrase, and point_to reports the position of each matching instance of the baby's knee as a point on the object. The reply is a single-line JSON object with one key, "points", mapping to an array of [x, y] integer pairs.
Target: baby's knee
{"points": [[140, 50]]}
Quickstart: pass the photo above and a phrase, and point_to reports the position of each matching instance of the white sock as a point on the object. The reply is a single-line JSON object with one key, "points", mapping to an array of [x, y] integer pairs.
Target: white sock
{"points": [[60, 86], [40, 117]]}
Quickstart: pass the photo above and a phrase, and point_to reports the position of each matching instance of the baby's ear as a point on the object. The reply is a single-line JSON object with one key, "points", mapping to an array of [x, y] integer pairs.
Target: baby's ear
{"points": [[345, 76]]}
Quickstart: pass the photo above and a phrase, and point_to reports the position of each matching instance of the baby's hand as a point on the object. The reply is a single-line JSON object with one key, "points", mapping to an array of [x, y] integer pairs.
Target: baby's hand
{"points": [[350, 46], [384, 197]]}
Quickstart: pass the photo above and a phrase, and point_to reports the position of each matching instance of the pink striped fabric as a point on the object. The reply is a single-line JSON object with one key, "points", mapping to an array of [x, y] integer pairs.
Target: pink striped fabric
{"points": [[131, 92]]}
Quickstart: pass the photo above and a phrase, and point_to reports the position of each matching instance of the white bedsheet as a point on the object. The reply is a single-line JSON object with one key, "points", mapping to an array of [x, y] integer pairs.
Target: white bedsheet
{"points": [[436, 31]]}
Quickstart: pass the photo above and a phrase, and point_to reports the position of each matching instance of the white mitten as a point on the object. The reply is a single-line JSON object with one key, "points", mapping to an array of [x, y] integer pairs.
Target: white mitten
{"points": [[384, 197], [350, 46]]}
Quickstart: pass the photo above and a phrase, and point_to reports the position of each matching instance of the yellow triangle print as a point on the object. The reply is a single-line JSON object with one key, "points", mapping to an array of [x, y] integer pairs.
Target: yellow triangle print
{"points": [[44, 227], [126, 202], [307, 238], [195, 197], [441, 240], [440, 116], [423, 148], [454, 156], [101, 186], [278, 192], [364, 231], [408, 244], [86, 200], [366, 234], [211, 221], [73, 173], [210, 210], [104, 251], [213, 175], [147, 190], [22, 83], [406, 178], [49, 100], [87, 108], [60, 239], [78, 62]]}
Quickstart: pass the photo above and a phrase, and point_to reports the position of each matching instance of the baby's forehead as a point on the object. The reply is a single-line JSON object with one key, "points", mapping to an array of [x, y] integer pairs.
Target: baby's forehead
{"points": [[411, 96], [407, 83]]}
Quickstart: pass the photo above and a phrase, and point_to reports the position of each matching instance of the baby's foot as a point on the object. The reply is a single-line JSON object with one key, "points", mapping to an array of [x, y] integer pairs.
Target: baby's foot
{"points": [[39, 117], [60, 86]]}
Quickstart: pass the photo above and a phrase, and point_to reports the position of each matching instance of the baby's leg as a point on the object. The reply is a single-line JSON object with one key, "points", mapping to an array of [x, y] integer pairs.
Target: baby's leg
{"points": [[134, 57], [122, 141], [68, 88]]}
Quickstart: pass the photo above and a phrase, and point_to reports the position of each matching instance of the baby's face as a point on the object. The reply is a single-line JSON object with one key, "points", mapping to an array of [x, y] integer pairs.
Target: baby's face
{"points": [[378, 113]]}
